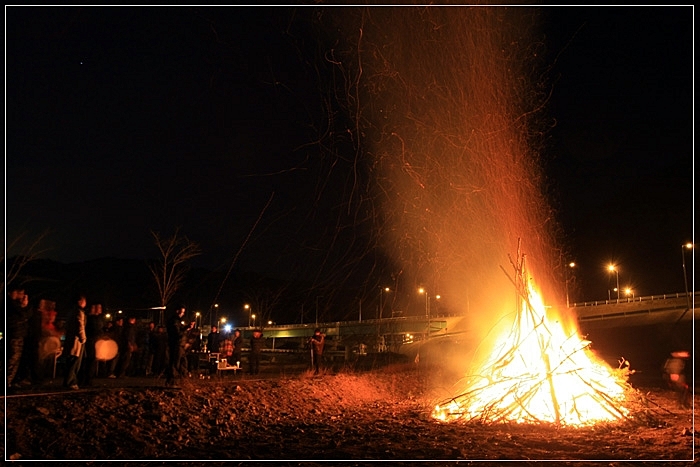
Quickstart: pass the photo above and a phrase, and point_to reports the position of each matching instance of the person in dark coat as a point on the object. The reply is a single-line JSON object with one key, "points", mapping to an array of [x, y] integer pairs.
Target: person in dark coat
{"points": [[151, 347], [213, 340], [237, 353], [127, 347], [94, 326], [317, 342], [18, 312], [73, 346], [115, 331], [175, 329], [193, 344], [256, 345]]}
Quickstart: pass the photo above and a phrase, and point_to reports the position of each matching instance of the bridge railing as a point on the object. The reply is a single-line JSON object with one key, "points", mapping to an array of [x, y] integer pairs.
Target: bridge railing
{"points": [[634, 299]]}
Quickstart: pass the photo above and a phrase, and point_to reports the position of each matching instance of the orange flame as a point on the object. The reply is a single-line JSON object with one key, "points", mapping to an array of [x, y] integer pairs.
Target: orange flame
{"points": [[539, 373]]}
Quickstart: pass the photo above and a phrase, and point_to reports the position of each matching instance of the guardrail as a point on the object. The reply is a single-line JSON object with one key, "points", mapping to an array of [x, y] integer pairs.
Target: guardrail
{"points": [[374, 321], [634, 299]]}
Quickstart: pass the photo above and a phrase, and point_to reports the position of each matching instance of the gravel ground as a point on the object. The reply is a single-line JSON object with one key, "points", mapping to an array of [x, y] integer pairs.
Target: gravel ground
{"points": [[297, 418]]}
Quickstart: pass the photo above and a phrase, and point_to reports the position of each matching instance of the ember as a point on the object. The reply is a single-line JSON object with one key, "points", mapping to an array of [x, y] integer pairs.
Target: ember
{"points": [[537, 373]]}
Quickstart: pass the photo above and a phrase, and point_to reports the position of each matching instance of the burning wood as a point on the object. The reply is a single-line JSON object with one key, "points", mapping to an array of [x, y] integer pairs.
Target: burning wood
{"points": [[538, 373]]}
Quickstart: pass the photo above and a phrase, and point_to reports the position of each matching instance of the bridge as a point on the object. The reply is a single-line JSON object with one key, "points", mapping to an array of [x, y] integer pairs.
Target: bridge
{"points": [[391, 333], [639, 311]]}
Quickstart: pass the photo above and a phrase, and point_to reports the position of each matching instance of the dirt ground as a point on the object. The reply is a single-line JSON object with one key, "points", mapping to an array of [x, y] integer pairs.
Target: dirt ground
{"points": [[302, 419]]}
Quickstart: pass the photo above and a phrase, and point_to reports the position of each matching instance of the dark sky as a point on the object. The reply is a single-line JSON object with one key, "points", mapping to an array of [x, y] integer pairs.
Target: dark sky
{"points": [[123, 120]]}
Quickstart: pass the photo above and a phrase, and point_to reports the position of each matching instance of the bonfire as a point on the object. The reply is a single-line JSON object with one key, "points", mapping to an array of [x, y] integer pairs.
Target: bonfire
{"points": [[538, 373]]}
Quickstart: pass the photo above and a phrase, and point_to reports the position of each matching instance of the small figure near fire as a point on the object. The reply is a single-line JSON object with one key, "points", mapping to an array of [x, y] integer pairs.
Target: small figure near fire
{"points": [[674, 374], [317, 342]]}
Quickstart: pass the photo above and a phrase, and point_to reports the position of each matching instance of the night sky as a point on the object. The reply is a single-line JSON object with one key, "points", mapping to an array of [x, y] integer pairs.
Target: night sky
{"points": [[124, 120]]}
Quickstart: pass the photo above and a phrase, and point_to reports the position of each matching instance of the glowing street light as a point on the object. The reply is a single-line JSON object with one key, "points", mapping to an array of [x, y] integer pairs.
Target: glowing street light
{"points": [[381, 293], [687, 246], [570, 266], [613, 268], [253, 316], [427, 306], [427, 302], [629, 292], [214, 315], [248, 309]]}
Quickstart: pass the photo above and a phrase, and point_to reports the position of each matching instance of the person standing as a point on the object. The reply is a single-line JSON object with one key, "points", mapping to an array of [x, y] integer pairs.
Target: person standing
{"points": [[175, 330], [151, 347], [127, 347], [237, 353], [18, 327], [74, 343], [317, 342], [193, 344], [93, 331], [256, 345], [116, 333], [225, 347], [213, 340], [674, 374]]}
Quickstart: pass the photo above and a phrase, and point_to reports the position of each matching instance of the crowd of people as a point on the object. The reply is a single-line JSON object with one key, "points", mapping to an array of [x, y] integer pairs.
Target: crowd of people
{"points": [[88, 346]]}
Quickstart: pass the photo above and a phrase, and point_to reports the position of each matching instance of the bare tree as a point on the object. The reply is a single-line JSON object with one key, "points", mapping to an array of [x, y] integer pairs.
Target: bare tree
{"points": [[27, 252], [169, 271]]}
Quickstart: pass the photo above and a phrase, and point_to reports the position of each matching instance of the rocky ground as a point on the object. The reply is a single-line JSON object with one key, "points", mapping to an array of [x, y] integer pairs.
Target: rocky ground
{"points": [[302, 419]]}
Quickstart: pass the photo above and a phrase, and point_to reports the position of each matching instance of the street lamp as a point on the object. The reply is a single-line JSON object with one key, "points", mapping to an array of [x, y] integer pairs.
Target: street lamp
{"points": [[613, 268], [629, 291], [247, 307], [427, 306], [427, 302], [381, 293], [687, 246], [215, 314], [571, 265], [253, 316]]}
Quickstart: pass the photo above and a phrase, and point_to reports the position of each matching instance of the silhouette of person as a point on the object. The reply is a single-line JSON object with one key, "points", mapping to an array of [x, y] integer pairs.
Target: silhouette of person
{"points": [[175, 329], [116, 332], [674, 374], [127, 347], [18, 326], [237, 354], [193, 343], [213, 340], [94, 326], [151, 347], [317, 342], [73, 347]]}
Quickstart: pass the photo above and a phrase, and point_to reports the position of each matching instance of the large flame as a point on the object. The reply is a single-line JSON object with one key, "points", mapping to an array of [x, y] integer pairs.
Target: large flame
{"points": [[538, 373]]}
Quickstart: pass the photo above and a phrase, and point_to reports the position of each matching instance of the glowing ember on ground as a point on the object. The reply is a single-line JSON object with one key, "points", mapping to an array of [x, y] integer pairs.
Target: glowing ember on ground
{"points": [[538, 372]]}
